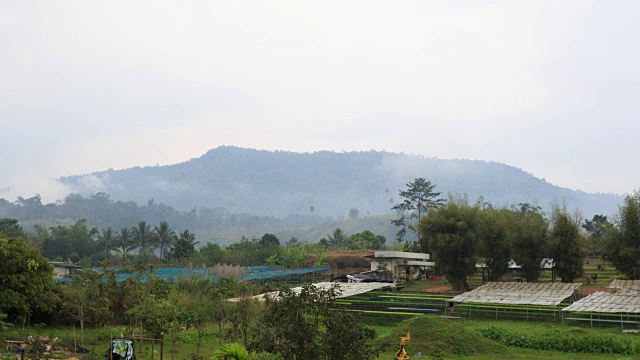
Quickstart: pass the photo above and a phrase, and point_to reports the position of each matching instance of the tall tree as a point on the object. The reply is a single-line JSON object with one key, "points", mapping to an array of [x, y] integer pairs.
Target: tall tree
{"points": [[11, 228], [529, 238], [623, 241], [142, 237], [26, 281], [337, 238], [596, 229], [269, 239], [124, 242], [419, 197], [73, 242], [451, 231], [363, 240], [495, 247], [566, 243], [107, 240], [185, 245], [164, 237]]}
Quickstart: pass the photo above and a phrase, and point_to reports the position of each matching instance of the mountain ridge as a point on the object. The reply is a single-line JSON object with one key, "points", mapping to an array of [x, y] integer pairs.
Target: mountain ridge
{"points": [[279, 183]]}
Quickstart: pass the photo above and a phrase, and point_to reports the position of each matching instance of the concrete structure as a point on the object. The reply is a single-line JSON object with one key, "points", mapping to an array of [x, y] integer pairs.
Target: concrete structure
{"points": [[63, 269], [402, 264]]}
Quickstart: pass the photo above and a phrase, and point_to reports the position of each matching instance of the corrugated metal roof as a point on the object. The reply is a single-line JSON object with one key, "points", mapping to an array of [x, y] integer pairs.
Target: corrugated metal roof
{"points": [[623, 301], [625, 284], [544, 294], [348, 289]]}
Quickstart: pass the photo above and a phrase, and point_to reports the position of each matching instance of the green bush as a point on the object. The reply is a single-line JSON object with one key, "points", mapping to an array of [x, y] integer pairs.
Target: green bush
{"points": [[564, 341]]}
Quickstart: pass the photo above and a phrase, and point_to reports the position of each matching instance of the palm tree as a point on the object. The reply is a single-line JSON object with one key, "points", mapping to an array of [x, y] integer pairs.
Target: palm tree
{"points": [[190, 237], [338, 238], [164, 236], [124, 242], [142, 237], [107, 240]]}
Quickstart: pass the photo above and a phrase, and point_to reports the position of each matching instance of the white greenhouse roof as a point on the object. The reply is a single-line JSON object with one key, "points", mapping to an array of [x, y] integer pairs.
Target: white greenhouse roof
{"points": [[519, 293], [623, 301], [625, 284], [348, 289]]}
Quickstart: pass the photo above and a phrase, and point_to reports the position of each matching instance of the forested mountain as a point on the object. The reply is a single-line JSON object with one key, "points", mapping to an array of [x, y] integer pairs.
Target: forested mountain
{"points": [[280, 183], [232, 192]]}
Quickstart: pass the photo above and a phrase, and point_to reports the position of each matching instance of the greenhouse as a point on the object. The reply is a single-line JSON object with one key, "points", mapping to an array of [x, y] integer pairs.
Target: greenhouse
{"points": [[513, 299], [621, 305]]}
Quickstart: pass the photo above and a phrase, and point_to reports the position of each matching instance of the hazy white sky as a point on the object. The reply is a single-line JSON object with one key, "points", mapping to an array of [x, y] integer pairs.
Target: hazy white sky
{"points": [[551, 87]]}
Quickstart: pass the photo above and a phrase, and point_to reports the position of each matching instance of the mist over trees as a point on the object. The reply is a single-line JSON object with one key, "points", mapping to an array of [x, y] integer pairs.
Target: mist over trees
{"points": [[323, 183]]}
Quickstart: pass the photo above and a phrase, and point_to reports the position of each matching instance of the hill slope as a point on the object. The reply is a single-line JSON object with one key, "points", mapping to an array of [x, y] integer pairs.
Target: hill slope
{"points": [[278, 183]]}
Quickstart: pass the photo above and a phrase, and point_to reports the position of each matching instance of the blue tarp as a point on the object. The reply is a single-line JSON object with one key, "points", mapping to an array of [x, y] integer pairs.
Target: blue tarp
{"points": [[247, 273]]}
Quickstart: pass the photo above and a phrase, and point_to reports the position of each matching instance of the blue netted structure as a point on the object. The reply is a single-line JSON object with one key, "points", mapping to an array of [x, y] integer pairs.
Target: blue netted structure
{"points": [[252, 274]]}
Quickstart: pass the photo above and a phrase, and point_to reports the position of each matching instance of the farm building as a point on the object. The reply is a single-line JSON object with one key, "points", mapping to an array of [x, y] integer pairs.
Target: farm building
{"points": [[402, 264], [63, 269]]}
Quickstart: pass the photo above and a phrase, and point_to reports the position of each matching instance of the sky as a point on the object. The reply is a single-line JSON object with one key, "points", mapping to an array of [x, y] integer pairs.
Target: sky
{"points": [[550, 87]]}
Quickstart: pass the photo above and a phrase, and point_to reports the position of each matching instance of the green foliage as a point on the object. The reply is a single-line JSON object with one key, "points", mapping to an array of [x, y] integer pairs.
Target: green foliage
{"points": [[564, 341], [269, 239], [451, 232], [596, 229], [249, 252], [11, 228], [495, 248], [163, 237], [566, 244], [287, 257], [210, 254], [86, 301], [308, 326], [124, 242], [71, 242], [107, 241], [623, 243], [234, 351], [419, 197], [337, 239], [528, 234], [320, 253], [363, 240], [182, 250], [26, 282], [4, 326], [143, 237], [271, 260]]}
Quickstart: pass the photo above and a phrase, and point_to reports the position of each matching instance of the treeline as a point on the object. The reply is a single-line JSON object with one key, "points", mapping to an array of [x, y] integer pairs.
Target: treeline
{"points": [[160, 245], [460, 235], [101, 211]]}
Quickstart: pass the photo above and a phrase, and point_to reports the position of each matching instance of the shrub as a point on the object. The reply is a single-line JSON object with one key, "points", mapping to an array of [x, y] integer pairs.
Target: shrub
{"points": [[564, 341]]}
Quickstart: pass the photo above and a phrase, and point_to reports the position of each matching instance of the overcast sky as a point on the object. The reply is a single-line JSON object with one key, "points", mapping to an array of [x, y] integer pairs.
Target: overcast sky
{"points": [[551, 87]]}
